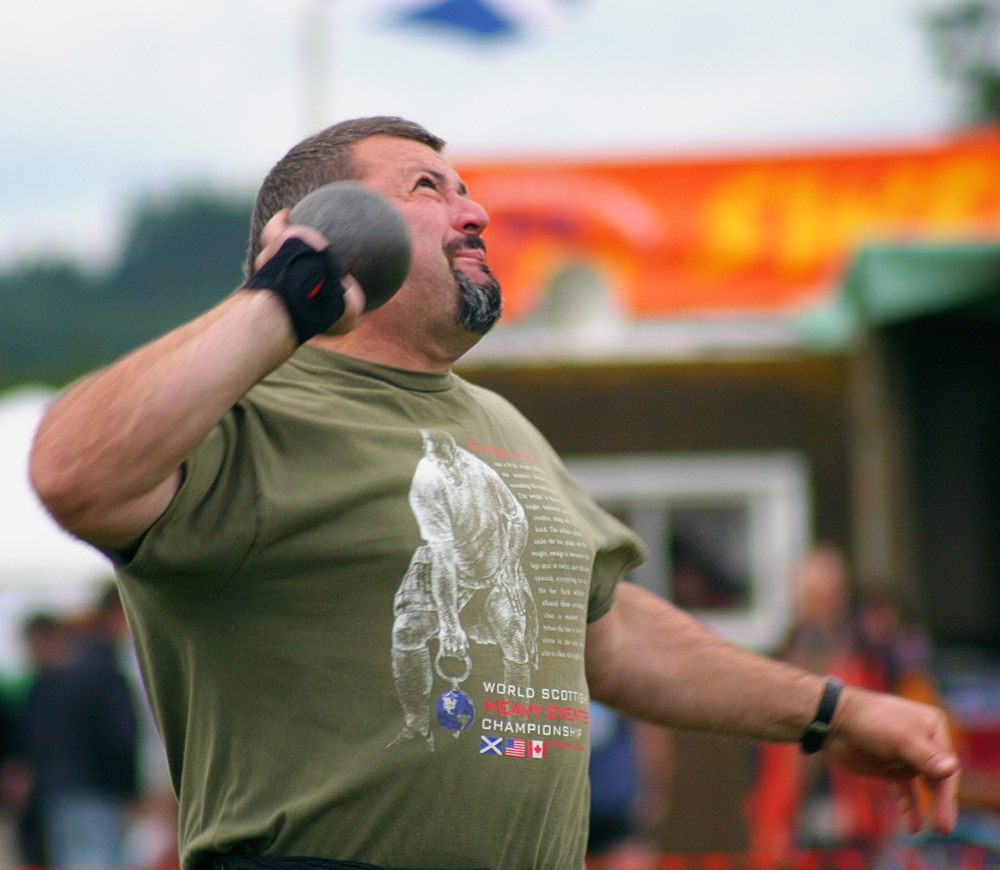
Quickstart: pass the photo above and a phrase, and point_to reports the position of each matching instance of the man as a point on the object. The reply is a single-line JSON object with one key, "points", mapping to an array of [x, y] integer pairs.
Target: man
{"points": [[256, 499], [50, 649], [81, 742]]}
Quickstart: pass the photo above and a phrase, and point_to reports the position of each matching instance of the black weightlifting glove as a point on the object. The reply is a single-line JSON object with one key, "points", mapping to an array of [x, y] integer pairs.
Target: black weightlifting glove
{"points": [[308, 282]]}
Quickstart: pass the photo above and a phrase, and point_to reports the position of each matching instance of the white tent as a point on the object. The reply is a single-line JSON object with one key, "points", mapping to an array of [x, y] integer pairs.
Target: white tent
{"points": [[41, 566]]}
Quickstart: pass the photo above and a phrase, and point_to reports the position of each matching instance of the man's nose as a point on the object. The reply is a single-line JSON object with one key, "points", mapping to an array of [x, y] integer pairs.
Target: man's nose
{"points": [[470, 216]]}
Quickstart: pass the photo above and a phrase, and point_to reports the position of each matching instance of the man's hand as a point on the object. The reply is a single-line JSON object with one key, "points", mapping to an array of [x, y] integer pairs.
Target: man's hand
{"points": [[454, 643], [904, 743], [277, 231]]}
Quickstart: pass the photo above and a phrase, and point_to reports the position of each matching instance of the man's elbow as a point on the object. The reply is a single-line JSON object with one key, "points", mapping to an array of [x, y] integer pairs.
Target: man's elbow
{"points": [[59, 488], [71, 489], [97, 507]]}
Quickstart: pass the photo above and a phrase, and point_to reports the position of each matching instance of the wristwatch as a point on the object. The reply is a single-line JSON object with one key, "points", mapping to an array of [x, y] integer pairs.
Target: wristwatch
{"points": [[815, 735]]}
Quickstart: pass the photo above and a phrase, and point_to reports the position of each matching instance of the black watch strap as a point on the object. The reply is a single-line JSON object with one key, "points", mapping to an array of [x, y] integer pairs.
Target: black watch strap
{"points": [[815, 735]]}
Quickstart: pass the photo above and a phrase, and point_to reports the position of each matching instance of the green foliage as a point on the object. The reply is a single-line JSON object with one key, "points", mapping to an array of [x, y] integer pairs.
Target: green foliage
{"points": [[160, 233], [965, 38], [180, 257]]}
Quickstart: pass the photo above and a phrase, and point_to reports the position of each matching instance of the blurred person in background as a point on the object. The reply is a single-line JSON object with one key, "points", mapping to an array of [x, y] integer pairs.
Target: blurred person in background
{"points": [[629, 780], [822, 635], [802, 801], [10, 809], [48, 648], [79, 741]]}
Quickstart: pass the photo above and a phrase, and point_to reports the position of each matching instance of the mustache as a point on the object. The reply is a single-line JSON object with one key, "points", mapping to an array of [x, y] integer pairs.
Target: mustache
{"points": [[471, 241]]}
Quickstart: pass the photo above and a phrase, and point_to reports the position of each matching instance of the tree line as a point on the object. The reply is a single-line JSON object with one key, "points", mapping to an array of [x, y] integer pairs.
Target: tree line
{"points": [[181, 255]]}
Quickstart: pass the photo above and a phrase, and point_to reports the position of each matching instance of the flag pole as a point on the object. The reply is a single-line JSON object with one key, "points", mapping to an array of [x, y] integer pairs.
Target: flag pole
{"points": [[314, 45]]}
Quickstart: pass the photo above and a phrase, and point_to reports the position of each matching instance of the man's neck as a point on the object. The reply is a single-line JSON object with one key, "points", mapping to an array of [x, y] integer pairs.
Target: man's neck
{"points": [[368, 343]]}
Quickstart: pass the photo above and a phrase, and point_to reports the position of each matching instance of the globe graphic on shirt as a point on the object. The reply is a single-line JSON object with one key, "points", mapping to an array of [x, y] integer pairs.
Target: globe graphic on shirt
{"points": [[455, 711]]}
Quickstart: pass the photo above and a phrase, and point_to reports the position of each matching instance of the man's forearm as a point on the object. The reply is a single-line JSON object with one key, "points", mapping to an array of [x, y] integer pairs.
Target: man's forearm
{"points": [[657, 663], [107, 455]]}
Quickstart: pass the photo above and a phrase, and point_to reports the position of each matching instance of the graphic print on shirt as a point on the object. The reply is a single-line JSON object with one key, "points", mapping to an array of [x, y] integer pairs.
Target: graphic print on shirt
{"points": [[465, 584], [551, 716]]}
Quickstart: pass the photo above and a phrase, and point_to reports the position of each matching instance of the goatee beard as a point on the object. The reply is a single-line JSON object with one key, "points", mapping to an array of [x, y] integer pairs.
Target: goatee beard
{"points": [[480, 304]]}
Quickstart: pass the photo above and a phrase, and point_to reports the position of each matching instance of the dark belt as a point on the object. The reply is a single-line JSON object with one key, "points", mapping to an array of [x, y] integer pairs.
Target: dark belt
{"points": [[239, 861], [245, 861]]}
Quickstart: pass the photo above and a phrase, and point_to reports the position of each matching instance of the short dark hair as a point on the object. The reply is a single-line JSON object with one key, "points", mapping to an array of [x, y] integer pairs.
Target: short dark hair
{"points": [[321, 159]]}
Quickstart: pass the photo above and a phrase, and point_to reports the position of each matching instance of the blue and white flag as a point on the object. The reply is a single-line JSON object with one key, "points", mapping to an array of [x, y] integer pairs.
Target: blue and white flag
{"points": [[490, 745], [485, 20]]}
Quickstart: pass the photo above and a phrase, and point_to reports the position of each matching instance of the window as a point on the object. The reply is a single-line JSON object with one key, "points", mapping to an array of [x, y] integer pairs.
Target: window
{"points": [[725, 533]]}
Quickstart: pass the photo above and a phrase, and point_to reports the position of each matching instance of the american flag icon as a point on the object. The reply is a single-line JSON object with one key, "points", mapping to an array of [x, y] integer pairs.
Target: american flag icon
{"points": [[514, 748]]}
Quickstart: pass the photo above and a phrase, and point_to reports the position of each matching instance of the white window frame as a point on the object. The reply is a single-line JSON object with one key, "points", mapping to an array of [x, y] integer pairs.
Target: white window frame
{"points": [[774, 486]]}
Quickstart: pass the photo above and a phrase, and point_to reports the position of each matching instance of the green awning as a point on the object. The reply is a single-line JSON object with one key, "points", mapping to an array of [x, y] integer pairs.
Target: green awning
{"points": [[890, 283]]}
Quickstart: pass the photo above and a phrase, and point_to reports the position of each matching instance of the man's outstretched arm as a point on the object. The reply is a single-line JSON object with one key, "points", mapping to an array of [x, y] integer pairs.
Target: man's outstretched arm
{"points": [[655, 662], [108, 454]]}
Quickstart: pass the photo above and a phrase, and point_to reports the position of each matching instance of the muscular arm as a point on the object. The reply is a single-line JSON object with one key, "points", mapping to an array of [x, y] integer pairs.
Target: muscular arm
{"points": [[107, 456], [653, 661]]}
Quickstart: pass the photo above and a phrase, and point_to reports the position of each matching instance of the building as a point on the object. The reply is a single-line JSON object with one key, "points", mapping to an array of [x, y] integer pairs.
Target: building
{"points": [[742, 356]]}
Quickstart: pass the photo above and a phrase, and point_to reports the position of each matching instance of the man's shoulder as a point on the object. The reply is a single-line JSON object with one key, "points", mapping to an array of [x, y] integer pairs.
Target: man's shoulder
{"points": [[294, 385], [488, 397], [503, 408]]}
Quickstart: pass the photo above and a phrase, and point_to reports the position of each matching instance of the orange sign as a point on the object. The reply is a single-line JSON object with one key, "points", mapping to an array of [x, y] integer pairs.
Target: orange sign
{"points": [[762, 235]]}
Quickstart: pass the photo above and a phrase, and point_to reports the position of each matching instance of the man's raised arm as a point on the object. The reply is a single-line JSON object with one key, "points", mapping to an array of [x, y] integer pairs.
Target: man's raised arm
{"points": [[108, 455], [655, 662]]}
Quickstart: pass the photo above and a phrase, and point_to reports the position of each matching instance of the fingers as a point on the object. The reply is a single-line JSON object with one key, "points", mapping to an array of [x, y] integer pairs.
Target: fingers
{"points": [[944, 811], [302, 241], [907, 801], [943, 803], [354, 307], [936, 765], [943, 807], [940, 775], [274, 227], [277, 230], [938, 768], [454, 645]]}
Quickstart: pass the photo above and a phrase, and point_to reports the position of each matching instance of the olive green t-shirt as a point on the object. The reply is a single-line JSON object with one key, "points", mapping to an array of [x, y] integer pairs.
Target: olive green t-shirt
{"points": [[361, 625]]}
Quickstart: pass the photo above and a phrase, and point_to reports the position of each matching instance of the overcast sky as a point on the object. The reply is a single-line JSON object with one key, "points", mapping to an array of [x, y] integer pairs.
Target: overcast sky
{"points": [[104, 100]]}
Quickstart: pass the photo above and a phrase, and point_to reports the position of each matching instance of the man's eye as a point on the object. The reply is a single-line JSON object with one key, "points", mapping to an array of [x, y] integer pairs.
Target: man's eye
{"points": [[427, 182]]}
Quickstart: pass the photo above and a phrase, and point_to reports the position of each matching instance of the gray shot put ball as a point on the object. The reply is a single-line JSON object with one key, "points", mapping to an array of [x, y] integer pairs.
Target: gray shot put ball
{"points": [[365, 231]]}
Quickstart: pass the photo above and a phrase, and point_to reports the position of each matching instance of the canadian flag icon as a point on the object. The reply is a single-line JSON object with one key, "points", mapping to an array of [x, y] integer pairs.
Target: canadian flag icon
{"points": [[536, 749]]}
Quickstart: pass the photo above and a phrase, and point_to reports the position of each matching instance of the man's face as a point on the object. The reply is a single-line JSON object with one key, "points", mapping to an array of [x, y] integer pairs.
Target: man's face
{"points": [[448, 257]]}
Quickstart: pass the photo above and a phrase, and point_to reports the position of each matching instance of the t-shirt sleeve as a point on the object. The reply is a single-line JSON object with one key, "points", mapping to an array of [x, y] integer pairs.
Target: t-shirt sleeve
{"points": [[207, 530]]}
